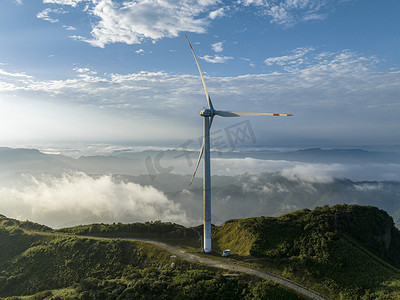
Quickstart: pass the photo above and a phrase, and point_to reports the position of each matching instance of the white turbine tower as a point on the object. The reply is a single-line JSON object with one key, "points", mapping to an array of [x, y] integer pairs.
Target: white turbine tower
{"points": [[208, 115]]}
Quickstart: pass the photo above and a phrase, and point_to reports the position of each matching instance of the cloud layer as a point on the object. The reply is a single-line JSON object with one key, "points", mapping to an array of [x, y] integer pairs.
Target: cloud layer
{"points": [[132, 22], [339, 91], [290, 12], [77, 197], [308, 172]]}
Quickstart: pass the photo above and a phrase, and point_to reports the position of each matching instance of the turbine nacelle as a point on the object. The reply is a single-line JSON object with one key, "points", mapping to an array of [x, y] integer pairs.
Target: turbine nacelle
{"points": [[207, 113]]}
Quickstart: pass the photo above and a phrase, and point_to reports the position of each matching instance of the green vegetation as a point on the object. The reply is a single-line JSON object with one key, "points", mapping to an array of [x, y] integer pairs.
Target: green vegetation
{"points": [[232, 236], [13, 240], [345, 251], [12, 223], [88, 268], [156, 229]]}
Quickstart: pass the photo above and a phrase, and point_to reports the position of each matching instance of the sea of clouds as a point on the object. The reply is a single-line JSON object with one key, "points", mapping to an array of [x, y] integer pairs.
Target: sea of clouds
{"points": [[73, 198]]}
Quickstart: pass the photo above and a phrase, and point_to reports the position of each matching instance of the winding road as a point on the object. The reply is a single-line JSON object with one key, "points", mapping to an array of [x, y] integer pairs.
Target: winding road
{"points": [[227, 265]]}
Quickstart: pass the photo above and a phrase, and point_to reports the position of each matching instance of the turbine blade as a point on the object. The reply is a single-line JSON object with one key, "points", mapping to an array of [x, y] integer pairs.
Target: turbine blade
{"points": [[210, 106], [198, 163], [223, 113]]}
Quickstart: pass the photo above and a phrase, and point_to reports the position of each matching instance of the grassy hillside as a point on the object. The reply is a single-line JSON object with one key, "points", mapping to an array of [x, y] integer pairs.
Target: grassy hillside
{"points": [[13, 241], [345, 251], [154, 229], [77, 268]]}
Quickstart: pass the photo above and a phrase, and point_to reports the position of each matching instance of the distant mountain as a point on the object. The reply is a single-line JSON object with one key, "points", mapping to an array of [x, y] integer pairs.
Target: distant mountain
{"points": [[235, 195], [318, 155], [32, 160], [134, 163]]}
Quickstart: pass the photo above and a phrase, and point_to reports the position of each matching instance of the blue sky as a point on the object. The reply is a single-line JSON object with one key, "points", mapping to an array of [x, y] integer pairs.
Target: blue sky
{"points": [[107, 71]]}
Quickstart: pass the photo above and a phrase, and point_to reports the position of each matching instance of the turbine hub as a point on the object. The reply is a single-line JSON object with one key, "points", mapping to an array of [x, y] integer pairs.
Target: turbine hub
{"points": [[207, 113]]}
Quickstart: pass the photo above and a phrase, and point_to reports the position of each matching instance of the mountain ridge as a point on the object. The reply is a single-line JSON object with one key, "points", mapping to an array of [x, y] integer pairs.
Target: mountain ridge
{"points": [[344, 251]]}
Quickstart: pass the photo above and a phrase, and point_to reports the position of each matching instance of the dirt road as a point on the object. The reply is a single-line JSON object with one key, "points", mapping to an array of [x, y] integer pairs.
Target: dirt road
{"points": [[227, 265]]}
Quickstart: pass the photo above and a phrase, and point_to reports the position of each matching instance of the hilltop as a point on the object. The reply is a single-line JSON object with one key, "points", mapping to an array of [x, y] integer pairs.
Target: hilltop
{"points": [[344, 252], [54, 266]]}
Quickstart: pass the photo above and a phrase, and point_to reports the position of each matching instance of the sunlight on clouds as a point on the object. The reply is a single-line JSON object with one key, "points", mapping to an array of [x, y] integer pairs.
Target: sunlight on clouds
{"points": [[133, 21], [56, 201], [340, 86], [38, 121]]}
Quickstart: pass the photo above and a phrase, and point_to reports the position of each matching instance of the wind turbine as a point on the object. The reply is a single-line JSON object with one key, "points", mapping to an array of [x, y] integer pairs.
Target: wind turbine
{"points": [[208, 115]]}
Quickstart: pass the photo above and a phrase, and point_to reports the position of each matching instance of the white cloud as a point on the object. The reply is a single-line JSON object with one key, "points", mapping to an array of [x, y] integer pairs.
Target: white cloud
{"points": [[132, 21], [19, 2], [14, 74], [253, 2], [216, 59], [290, 12], [328, 93], [303, 60], [292, 170], [219, 13], [70, 28], [218, 47], [79, 198], [368, 187], [306, 172], [72, 3], [312, 173], [314, 16], [85, 71], [45, 14], [282, 60]]}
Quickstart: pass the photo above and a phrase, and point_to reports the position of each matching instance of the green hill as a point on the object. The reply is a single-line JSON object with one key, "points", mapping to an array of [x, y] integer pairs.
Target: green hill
{"points": [[63, 267], [345, 251], [13, 241]]}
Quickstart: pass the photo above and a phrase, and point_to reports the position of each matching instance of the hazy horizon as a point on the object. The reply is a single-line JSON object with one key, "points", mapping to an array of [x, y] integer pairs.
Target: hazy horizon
{"points": [[118, 185]]}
